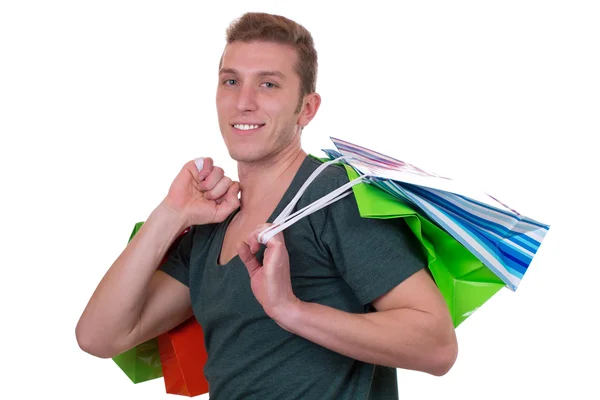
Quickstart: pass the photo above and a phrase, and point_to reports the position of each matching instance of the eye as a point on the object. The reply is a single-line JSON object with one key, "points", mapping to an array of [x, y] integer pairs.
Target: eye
{"points": [[269, 85], [230, 82]]}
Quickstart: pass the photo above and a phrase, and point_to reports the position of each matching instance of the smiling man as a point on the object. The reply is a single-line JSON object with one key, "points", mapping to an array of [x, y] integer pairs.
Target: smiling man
{"points": [[329, 308]]}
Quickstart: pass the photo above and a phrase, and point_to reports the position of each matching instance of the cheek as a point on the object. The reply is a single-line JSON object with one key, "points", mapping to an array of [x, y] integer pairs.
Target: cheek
{"points": [[223, 110], [279, 107], [223, 113], [220, 102], [224, 99]]}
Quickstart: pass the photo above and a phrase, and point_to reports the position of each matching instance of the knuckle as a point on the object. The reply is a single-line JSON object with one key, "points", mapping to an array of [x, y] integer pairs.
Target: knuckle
{"points": [[205, 186]]}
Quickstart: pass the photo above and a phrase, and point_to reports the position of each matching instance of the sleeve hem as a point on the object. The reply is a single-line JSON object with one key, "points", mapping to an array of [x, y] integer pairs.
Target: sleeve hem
{"points": [[176, 272], [386, 286]]}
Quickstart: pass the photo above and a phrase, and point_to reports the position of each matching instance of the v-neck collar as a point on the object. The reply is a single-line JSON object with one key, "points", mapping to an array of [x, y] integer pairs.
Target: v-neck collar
{"points": [[301, 175]]}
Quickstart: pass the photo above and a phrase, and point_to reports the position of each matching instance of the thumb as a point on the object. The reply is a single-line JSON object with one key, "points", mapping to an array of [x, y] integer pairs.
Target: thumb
{"points": [[248, 258], [229, 202], [232, 195]]}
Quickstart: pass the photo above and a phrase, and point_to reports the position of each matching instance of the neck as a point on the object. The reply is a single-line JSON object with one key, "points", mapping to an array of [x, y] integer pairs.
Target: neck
{"points": [[268, 179]]}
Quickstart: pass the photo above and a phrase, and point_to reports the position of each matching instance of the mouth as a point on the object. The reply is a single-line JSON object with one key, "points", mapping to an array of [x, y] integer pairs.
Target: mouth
{"points": [[246, 129]]}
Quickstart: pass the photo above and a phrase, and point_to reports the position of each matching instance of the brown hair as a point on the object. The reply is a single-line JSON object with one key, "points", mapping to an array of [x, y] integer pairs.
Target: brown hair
{"points": [[275, 28]]}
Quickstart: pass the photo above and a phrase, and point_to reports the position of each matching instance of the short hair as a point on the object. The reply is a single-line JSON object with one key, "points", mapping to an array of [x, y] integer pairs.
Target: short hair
{"points": [[254, 26]]}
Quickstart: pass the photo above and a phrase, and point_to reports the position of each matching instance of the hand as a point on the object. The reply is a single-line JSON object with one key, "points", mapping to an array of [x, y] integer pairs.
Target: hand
{"points": [[271, 282], [202, 197]]}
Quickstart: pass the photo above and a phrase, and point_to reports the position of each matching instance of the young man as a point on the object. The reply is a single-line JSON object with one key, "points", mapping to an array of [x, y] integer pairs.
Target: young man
{"points": [[329, 308]]}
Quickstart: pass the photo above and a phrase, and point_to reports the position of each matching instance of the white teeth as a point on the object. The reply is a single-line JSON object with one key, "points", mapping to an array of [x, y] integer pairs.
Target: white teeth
{"points": [[245, 127]]}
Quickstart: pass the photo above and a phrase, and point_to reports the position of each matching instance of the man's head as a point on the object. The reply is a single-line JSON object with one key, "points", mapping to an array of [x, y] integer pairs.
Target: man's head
{"points": [[277, 29], [267, 77]]}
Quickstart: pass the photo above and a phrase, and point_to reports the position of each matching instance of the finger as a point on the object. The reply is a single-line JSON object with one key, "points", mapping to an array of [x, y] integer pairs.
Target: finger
{"points": [[211, 180], [256, 233], [192, 167], [207, 167], [263, 230], [248, 258], [231, 197], [253, 242], [276, 255], [228, 203], [219, 190], [276, 241]]}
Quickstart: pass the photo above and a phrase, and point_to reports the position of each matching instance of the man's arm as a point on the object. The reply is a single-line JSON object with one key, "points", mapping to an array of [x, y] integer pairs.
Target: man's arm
{"points": [[134, 302], [411, 329]]}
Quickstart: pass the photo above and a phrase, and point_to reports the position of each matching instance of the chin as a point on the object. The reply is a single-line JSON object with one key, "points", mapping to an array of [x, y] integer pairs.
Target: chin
{"points": [[241, 154]]}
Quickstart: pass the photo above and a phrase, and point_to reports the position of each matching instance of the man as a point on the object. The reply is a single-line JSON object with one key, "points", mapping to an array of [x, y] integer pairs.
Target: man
{"points": [[332, 304]]}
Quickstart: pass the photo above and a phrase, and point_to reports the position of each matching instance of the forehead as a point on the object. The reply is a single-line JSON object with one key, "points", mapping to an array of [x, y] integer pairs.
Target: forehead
{"points": [[254, 57]]}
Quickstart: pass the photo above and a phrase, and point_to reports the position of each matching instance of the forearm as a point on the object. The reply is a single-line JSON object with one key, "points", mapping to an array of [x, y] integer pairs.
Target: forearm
{"points": [[116, 304], [400, 338]]}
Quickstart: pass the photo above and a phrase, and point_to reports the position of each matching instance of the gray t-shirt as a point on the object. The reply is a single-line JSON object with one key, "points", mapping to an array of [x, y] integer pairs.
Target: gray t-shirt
{"points": [[337, 258]]}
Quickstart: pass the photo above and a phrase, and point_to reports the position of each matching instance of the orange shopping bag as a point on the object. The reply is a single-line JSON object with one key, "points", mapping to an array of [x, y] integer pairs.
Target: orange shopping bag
{"points": [[182, 355]]}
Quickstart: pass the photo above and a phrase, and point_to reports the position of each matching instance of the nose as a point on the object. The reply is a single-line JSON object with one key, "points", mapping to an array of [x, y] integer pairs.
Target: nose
{"points": [[246, 100]]}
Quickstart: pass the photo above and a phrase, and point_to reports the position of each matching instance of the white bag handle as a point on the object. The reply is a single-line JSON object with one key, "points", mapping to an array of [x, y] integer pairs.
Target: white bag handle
{"points": [[285, 220]]}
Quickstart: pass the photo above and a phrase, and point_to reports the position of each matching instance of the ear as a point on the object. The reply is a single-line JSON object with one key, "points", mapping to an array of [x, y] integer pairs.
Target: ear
{"points": [[310, 106]]}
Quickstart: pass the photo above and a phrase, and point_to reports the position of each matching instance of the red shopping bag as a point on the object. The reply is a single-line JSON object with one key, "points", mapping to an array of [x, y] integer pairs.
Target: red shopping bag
{"points": [[183, 356]]}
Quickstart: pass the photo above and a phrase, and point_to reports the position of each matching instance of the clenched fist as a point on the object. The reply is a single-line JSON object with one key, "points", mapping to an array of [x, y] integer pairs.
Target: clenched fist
{"points": [[202, 194]]}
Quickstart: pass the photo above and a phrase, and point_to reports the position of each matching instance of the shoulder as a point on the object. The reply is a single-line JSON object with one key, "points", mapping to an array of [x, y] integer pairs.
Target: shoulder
{"points": [[331, 178], [198, 235], [340, 217], [343, 218]]}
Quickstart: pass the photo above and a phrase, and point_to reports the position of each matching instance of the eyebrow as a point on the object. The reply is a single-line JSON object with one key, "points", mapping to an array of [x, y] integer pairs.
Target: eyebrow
{"points": [[261, 74]]}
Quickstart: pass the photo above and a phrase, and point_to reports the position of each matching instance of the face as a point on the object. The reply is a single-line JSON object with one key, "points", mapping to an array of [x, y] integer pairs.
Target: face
{"points": [[257, 96]]}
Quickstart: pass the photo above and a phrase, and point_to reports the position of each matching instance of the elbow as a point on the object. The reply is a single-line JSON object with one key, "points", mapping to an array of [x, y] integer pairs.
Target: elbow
{"points": [[443, 348], [89, 343], [438, 350], [444, 358], [435, 356]]}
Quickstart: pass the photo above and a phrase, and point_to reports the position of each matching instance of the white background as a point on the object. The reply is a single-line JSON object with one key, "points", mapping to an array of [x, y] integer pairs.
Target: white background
{"points": [[101, 103]]}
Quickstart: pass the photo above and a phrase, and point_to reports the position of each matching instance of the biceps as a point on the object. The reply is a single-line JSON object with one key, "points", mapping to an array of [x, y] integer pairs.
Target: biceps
{"points": [[418, 292], [167, 305]]}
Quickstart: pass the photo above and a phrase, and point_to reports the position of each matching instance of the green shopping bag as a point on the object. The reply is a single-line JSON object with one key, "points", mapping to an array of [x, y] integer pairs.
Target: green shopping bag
{"points": [[464, 281], [141, 363]]}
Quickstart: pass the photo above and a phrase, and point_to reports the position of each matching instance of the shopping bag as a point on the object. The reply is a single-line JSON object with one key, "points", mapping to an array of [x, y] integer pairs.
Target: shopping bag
{"points": [[464, 281], [504, 240], [183, 356], [141, 363]]}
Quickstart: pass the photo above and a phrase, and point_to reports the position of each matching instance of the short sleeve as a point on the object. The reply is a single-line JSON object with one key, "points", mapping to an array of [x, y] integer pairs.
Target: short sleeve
{"points": [[372, 255], [176, 262]]}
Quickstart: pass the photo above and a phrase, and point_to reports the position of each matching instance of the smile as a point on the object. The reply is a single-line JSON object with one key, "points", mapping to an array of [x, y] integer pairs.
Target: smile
{"points": [[244, 127]]}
